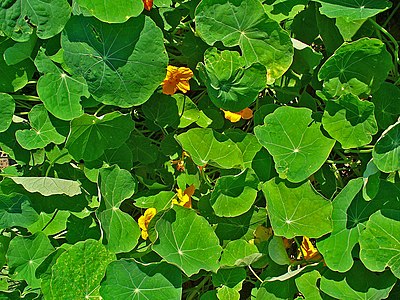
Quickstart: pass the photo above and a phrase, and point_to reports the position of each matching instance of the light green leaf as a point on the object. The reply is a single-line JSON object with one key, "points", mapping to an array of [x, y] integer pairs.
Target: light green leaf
{"points": [[116, 11], [239, 253], [7, 107], [206, 146], [307, 285], [365, 59], [380, 244], [230, 84], [247, 26], [78, 271], [121, 231], [247, 143], [116, 185], [20, 18], [348, 27], [350, 121], [25, 254], [281, 10], [233, 195], [129, 280], [295, 141], [122, 63], [188, 111], [387, 104], [50, 224], [179, 244], [277, 251], [357, 283], [16, 210], [48, 186], [20, 51], [90, 136], [42, 132], [160, 201], [297, 209], [352, 9], [386, 151]]}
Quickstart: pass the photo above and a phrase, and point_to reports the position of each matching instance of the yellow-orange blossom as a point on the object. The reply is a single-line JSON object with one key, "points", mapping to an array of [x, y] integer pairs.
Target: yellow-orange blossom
{"points": [[177, 79]]}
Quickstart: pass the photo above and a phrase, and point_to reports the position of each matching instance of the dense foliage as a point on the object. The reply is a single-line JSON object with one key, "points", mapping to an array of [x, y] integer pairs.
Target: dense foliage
{"points": [[186, 149]]}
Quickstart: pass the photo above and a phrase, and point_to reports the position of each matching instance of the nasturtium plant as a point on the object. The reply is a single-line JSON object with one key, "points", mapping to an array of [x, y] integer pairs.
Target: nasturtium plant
{"points": [[199, 149]]}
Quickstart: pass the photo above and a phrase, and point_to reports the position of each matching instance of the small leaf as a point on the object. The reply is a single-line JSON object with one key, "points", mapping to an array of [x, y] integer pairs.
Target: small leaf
{"points": [[178, 241], [297, 209], [48, 186], [129, 280], [386, 151]]}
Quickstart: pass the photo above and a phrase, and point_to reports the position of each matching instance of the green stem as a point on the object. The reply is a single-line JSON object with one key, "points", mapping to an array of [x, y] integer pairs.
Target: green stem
{"points": [[26, 98], [99, 109], [391, 15], [53, 162], [358, 151], [197, 289], [255, 274]]}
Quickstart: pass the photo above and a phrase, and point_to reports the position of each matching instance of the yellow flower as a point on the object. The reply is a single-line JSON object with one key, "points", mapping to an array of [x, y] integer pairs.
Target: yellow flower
{"points": [[307, 250], [234, 117], [184, 197], [145, 220], [176, 79]]}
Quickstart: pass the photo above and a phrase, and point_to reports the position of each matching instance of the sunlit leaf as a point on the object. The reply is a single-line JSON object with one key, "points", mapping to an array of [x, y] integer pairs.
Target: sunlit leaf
{"points": [[386, 152], [48, 186]]}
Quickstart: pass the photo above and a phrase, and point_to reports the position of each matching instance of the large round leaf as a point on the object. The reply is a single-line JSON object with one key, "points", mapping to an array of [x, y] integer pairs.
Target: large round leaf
{"points": [[350, 121], [115, 11], [386, 152], [7, 107], [178, 241], [207, 146], [387, 104], [18, 19], [78, 271], [131, 280], [230, 84], [90, 136], [366, 60], [380, 244], [122, 63], [245, 23], [295, 141], [297, 209], [25, 254]]}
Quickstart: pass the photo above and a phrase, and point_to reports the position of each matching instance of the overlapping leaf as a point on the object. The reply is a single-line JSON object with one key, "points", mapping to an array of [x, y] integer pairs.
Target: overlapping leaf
{"points": [[16, 210], [48, 186], [7, 107]]}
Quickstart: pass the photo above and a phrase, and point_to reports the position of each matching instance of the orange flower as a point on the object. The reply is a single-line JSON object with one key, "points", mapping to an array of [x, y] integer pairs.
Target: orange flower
{"points": [[176, 79], [145, 220], [180, 163], [148, 4], [185, 197], [234, 117], [307, 250]]}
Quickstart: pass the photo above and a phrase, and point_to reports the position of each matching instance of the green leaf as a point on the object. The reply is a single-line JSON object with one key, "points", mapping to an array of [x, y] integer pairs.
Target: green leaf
{"points": [[90, 136], [25, 254], [277, 251], [188, 111], [298, 150], [112, 11], [307, 285], [247, 26], [143, 150], [239, 253], [350, 121], [281, 10], [356, 60], [48, 186], [61, 94], [230, 84], [179, 244], [121, 231], [116, 185], [19, 19], [128, 280], [380, 244], [7, 107], [80, 229], [386, 151], [206, 146], [4, 243], [16, 210], [352, 9], [160, 201], [357, 283], [20, 51], [50, 224], [78, 271], [234, 195], [122, 63], [247, 143], [42, 132], [297, 209], [387, 104], [161, 111]]}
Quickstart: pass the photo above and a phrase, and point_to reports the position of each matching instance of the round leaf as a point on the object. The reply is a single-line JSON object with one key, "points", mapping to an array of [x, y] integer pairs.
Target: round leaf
{"points": [[7, 107], [297, 209], [230, 84], [298, 150], [178, 241], [116, 11], [386, 152], [246, 24], [239, 253], [387, 104], [350, 121], [122, 63], [129, 280]]}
